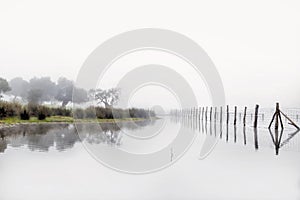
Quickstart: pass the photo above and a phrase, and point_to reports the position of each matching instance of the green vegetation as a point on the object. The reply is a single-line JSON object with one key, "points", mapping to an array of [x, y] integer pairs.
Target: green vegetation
{"points": [[37, 91], [13, 113], [62, 119]]}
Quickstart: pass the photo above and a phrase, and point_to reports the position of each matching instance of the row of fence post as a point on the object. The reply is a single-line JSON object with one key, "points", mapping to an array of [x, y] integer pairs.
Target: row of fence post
{"points": [[203, 112], [211, 114]]}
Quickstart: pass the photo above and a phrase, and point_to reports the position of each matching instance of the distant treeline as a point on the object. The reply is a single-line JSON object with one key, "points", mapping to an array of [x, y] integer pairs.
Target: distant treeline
{"points": [[40, 90], [37, 91], [24, 112]]}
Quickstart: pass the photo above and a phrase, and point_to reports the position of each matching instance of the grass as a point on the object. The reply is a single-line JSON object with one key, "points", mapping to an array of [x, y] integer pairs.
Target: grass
{"points": [[53, 119]]}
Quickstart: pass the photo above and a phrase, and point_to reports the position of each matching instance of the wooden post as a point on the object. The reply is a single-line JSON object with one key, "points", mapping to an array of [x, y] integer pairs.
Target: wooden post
{"points": [[290, 121], [215, 114], [202, 113], [235, 112], [277, 116], [206, 113], [227, 120], [221, 113], [210, 115], [256, 116], [245, 114]]}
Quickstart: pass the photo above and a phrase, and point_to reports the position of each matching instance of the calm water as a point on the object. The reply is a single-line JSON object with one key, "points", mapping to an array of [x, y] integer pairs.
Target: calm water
{"points": [[50, 162]]}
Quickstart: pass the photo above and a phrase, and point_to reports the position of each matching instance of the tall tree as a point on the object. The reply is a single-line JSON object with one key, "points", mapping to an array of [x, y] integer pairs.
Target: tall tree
{"points": [[47, 89], [35, 96], [19, 87], [108, 97], [4, 86], [65, 89]]}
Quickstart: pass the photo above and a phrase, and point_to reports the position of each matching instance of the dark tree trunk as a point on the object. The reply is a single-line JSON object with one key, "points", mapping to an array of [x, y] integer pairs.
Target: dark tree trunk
{"points": [[64, 103], [106, 105]]}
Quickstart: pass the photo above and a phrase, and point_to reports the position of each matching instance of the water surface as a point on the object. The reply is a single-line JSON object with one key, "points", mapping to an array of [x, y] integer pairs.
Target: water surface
{"points": [[48, 161]]}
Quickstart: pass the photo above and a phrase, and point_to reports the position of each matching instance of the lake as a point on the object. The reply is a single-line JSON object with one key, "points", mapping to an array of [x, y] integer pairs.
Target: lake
{"points": [[51, 161]]}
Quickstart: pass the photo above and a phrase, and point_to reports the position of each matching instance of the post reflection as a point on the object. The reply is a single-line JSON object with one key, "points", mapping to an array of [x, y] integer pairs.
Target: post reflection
{"points": [[211, 129]]}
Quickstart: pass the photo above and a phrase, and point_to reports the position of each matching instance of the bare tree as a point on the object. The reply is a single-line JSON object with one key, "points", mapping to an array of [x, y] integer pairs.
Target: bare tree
{"points": [[108, 97]]}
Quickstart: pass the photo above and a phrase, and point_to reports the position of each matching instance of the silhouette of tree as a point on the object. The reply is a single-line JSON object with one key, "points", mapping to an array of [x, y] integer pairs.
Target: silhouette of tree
{"points": [[19, 87], [4, 87], [108, 97]]}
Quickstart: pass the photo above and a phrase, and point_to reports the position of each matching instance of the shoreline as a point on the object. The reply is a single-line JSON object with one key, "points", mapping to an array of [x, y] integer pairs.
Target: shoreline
{"points": [[11, 122]]}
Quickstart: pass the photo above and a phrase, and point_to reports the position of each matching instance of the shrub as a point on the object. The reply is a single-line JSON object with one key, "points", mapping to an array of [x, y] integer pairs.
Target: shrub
{"points": [[43, 112], [9, 109], [78, 113], [32, 109], [24, 115], [41, 116], [61, 112], [2, 113], [117, 113], [90, 112]]}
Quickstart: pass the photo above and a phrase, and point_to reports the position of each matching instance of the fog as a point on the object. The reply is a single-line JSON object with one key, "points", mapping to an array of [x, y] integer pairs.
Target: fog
{"points": [[255, 45]]}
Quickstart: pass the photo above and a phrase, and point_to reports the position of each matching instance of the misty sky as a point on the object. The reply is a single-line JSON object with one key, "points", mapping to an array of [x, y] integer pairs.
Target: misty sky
{"points": [[255, 45]]}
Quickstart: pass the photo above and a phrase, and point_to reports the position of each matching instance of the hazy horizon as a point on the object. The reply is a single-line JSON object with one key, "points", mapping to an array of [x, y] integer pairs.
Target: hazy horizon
{"points": [[255, 46]]}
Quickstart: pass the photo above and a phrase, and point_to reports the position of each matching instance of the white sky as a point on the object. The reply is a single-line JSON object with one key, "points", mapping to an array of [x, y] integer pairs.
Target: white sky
{"points": [[254, 44]]}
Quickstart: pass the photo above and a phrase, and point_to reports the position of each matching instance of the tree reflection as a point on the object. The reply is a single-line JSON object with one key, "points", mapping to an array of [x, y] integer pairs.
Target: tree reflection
{"points": [[42, 137]]}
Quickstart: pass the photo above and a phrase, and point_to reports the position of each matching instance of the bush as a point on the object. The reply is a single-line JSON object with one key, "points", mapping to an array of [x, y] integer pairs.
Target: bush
{"points": [[24, 115], [2, 113], [41, 116], [78, 113], [8, 109], [117, 113], [61, 112], [90, 112]]}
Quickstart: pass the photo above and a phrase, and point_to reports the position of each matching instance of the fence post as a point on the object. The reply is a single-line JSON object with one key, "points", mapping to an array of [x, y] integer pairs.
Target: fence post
{"points": [[245, 113], [215, 114], [235, 112], [227, 120], [221, 113], [256, 116]]}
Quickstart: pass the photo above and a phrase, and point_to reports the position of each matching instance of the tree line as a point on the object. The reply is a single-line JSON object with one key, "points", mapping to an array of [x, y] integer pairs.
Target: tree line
{"points": [[39, 90], [36, 91]]}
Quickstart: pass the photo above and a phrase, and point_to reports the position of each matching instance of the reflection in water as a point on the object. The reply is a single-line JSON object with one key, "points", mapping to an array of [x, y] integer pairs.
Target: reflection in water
{"points": [[227, 135], [259, 137], [244, 133], [277, 139], [41, 137], [255, 138], [234, 133]]}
